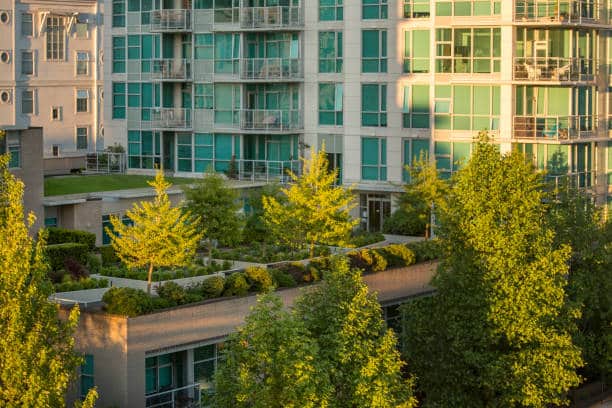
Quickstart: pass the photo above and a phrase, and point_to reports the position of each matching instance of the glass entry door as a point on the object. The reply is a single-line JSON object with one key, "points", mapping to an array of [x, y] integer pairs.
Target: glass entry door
{"points": [[379, 208]]}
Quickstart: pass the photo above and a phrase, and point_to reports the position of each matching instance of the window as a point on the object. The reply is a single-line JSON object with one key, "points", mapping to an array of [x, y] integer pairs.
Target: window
{"points": [[13, 148], [56, 37], [87, 372], [82, 97], [82, 63], [469, 8], [330, 10], [27, 102], [118, 13], [415, 112], [374, 105], [374, 9], [373, 158], [374, 51], [416, 51], [50, 222], [119, 54], [81, 28], [468, 50], [416, 8], [119, 100], [204, 96], [413, 151], [330, 104], [333, 147], [467, 107], [158, 373], [227, 53], [205, 363], [27, 63], [451, 156], [143, 149], [204, 46], [27, 25], [330, 51], [106, 223], [82, 138], [56, 113]]}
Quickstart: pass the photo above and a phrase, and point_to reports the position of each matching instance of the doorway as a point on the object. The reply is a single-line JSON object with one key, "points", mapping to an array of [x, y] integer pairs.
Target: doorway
{"points": [[374, 209]]}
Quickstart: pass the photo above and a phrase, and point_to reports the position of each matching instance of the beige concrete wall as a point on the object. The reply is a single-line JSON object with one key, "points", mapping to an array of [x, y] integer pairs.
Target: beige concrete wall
{"points": [[63, 165]]}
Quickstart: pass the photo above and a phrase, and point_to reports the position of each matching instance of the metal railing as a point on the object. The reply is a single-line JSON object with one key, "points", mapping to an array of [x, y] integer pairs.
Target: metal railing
{"points": [[171, 20], [272, 68], [105, 162], [171, 118], [558, 11], [271, 17], [554, 69], [183, 397], [270, 119], [556, 128], [267, 170], [172, 69], [582, 179]]}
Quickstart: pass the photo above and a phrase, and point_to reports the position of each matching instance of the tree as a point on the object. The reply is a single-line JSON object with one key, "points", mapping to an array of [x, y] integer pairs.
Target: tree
{"points": [[272, 362], [217, 207], [161, 235], [37, 358], [317, 210], [497, 332]]}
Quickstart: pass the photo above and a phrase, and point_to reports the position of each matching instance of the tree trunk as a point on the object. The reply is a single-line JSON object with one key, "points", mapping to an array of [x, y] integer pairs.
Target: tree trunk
{"points": [[312, 249], [149, 279]]}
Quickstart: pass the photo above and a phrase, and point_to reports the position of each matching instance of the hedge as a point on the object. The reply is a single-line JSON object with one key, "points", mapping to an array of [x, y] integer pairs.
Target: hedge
{"points": [[259, 278], [58, 254], [109, 257], [127, 301], [62, 236]]}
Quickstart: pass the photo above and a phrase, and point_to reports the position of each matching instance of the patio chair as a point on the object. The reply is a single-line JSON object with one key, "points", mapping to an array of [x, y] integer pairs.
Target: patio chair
{"points": [[552, 132]]}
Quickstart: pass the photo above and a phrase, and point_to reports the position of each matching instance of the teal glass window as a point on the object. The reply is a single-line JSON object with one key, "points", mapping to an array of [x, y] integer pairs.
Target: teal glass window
{"points": [[374, 105], [133, 5], [118, 13], [87, 375], [133, 47], [12, 146], [331, 10], [468, 50], [50, 222], [143, 149], [119, 54], [451, 156], [416, 51], [330, 104], [204, 46], [184, 151], [226, 147], [227, 53], [203, 151], [205, 360], [416, 8], [374, 9], [133, 97], [413, 151], [416, 109], [227, 104], [119, 102], [330, 51], [158, 374], [469, 8], [466, 107], [203, 96], [373, 158], [374, 51]]}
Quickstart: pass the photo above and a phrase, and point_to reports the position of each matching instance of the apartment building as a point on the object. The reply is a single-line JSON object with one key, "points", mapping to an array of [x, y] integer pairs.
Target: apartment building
{"points": [[51, 75], [199, 83]]}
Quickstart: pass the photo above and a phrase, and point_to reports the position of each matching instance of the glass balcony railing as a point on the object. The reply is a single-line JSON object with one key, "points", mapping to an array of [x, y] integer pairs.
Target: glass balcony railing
{"points": [[271, 17], [172, 69], [559, 11], [267, 170], [555, 128], [554, 69], [271, 119], [188, 396], [579, 180], [272, 68], [171, 118], [171, 20]]}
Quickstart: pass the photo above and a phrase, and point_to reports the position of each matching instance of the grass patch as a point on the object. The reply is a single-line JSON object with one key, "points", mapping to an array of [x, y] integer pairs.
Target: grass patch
{"points": [[60, 185]]}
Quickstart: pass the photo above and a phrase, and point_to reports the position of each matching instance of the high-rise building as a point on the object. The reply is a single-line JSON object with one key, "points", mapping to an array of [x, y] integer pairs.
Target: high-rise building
{"points": [[50, 73]]}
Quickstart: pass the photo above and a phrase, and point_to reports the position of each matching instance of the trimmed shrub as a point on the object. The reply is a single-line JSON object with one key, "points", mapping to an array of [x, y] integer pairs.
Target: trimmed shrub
{"points": [[174, 293], [93, 265], [295, 269], [75, 269], [362, 238], [212, 287], [426, 250], [402, 222], [259, 278], [127, 301], [62, 236], [109, 257], [236, 285], [368, 260], [282, 279], [69, 285], [398, 255], [57, 254], [227, 265]]}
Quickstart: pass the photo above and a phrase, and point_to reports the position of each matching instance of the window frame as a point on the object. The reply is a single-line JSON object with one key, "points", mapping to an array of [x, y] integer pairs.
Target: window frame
{"points": [[80, 145], [30, 62], [80, 63], [381, 163], [82, 101], [338, 106], [335, 61], [31, 97], [24, 25], [381, 118], [55, 38], [382, 7], [382, 58], [337, 9]]}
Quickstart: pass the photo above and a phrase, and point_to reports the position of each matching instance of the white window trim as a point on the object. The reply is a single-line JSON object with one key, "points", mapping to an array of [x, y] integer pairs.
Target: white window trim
{"points": [[76, 99], [76, 136], [46, 41], [33, 53], [76, 63]]}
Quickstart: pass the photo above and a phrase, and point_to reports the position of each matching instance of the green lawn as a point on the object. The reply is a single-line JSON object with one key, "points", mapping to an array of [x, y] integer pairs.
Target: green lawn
{"points": [[93, 183]]}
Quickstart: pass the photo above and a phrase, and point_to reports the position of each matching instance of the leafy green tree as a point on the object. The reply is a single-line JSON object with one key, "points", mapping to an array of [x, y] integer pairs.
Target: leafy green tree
{"points": [[217, 207], [162, 235], [256, 229], [317, 210], [497, 332], [272, 362], [37, 358]]}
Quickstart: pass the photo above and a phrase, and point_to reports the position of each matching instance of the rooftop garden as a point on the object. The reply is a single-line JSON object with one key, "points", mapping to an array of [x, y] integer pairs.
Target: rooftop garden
{"points": [[78, 184]]}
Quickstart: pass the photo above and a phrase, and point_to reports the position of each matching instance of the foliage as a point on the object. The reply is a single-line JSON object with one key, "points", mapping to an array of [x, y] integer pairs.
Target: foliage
{"points": [[259, 278], [162, 275], [406, 222], [217, 208], [61, 236], [265, 253], [361, 238], [162, 235], [255, 229], [317, 210], [283, 279], [211, 287], [127, 301], [398, 255], [236, 285], [428, 250], [172, 292], [271, 362], [497, 332], [69, 284], [58, 254], [367, 260], [37, 358], [75, 269], [61, 185], [108, 255], [93, 264]]}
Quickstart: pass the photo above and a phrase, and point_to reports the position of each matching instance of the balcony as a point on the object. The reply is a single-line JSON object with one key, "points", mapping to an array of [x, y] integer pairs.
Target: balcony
{"points": [[272, 68], [271, 119], [188, 396], [267, 170], [172, 70], [578, 180], [554, 69], [559, 11], [171, 118], [271, 17], [171, 20], [555, 128]]}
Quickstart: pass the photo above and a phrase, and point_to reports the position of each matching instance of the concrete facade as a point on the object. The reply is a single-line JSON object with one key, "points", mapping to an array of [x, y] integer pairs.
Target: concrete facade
{"points": [[53, 56]]}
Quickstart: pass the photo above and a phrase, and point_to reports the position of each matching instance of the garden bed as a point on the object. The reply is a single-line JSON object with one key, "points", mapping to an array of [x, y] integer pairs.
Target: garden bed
{"points": [[120, 271]]}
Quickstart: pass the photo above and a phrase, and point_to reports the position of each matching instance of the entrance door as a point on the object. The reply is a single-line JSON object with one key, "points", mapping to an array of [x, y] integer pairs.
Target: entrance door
{"points": [[379, 208], [168, 152]]}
